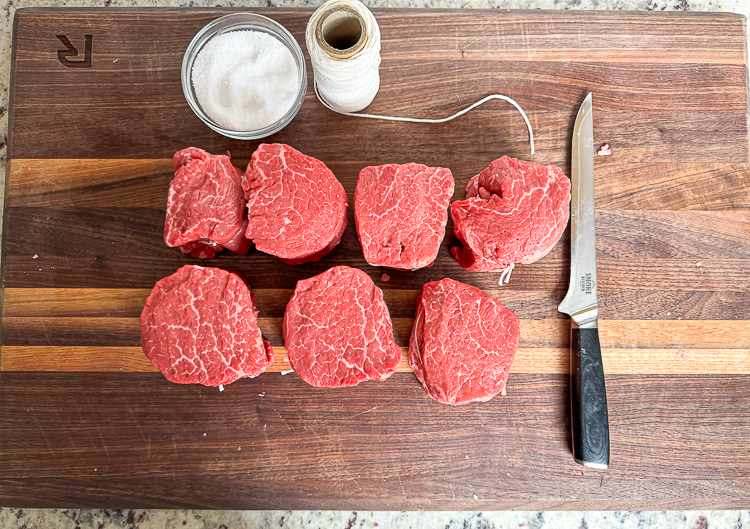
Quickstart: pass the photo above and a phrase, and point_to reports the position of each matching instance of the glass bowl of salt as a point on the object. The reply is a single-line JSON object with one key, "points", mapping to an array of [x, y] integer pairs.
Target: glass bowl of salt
{"points": [[244, 76]]}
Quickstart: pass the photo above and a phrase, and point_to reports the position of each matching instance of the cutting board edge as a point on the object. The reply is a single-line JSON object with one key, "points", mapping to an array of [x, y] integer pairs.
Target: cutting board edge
{"points": [[6, 176], [603, 13], [520, 504]]}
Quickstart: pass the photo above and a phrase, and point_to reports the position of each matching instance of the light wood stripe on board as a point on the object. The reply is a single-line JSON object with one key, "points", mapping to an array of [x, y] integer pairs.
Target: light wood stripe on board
{"points": [[620, 183], [527, 360], [620, 334]]}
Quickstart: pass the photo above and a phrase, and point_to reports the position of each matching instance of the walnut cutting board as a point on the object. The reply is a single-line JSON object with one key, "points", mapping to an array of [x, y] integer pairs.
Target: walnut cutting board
{"points": [[85, 421]]}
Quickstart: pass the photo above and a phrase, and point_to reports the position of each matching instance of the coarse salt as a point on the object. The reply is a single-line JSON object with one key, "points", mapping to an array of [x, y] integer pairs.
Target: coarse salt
{"points": [[245, 80]]}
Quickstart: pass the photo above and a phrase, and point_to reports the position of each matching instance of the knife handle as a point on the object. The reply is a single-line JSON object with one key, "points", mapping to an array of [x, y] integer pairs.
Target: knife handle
{"points": [[588, 399]]}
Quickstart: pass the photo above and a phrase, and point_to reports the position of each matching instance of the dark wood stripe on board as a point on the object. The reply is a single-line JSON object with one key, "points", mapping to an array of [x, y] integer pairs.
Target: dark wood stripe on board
{"points": [[103, 271], [95, 247], [113, 440], [701, 81], [635, 305]]}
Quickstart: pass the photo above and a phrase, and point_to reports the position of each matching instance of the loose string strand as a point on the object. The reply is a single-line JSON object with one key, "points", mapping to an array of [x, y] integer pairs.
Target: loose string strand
{"points": [[436, 120]]}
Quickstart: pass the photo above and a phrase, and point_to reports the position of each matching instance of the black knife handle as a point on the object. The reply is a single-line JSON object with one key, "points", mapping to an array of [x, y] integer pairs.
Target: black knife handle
{"points": [[588, 399]]}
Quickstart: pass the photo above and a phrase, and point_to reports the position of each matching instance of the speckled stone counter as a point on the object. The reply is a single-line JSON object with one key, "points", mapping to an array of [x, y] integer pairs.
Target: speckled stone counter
{"points": [[12, 518], [157, 519]]}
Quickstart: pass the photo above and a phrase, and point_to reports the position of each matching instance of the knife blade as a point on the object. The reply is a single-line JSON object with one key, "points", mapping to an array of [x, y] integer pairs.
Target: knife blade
{"points": [[588, 394]]}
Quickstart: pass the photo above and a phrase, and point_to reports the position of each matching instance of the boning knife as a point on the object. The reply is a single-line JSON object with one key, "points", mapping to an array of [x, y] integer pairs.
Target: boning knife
{"points": [[588, 395]]}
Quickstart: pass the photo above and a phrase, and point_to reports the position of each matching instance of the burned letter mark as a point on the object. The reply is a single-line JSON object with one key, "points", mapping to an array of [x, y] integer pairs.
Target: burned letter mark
{"points": [[71, 51]]}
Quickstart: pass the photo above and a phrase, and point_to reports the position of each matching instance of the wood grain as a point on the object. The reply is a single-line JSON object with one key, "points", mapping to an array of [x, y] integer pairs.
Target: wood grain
{"points": [[630, 305], [88, 422], [93, 247], [420, 76], [114, 440], [681, 358], [620, 185], [119, 331]]}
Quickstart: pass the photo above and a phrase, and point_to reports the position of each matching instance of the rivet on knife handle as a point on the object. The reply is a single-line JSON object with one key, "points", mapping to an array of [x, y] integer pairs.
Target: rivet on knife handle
{"points": [[588, 395]]}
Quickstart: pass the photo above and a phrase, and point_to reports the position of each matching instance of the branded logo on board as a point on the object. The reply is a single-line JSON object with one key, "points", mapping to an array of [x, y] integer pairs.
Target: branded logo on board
{"points": [[64, 56]]}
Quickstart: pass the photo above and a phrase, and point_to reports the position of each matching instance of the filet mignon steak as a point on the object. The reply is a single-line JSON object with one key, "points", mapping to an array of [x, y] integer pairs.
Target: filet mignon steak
{"points": [[205, 208], [462, 343], [338, 331], [200, 325], [400, 212], [296, 206], [514, 212]]}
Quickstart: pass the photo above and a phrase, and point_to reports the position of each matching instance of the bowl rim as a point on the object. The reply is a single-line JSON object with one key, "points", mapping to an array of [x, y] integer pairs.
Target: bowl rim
{"points": [[243, 21]]}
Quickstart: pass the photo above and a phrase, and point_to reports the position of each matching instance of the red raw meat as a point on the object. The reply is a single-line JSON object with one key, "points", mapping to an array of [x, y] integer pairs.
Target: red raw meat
{"points": [[400, 212], [296, 206], [205, 208], [200, 325], [514, 212], [338, 331], [462, 344]]}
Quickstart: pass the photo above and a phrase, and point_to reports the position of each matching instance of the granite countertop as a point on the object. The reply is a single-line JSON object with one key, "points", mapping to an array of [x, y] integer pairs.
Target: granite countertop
{"points": [[160, 519], [13, 518]]}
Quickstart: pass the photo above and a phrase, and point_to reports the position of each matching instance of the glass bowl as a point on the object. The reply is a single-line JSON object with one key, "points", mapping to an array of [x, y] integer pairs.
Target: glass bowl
{"points": [[238, 22]]}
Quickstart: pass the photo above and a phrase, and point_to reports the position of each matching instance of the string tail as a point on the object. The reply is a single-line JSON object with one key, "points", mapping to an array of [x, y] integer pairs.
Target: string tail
{"points": [[505, 275], [343, 40], [437, 120]]}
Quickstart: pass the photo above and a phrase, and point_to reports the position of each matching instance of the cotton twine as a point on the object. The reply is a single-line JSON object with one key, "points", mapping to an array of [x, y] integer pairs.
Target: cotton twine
{"points": [[343, 40]]}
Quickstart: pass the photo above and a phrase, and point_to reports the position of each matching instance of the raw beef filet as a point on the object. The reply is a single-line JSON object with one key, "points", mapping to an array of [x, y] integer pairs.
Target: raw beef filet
{"points": [[200, 325], [296, 207], [338, 331], [400, 212], [514, 212], [462, 343], [205, 208]]}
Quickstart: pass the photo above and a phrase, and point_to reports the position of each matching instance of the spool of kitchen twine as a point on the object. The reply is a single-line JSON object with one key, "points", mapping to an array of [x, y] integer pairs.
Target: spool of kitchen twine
{"points": [[343, 40]]}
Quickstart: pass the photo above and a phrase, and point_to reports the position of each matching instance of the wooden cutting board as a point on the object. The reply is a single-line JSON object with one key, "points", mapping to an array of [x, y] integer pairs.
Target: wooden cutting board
{"points": [[85, 421]]}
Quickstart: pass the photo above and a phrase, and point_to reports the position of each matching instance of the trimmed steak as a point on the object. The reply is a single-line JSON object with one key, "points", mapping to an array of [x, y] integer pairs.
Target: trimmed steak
{"points": [[200, 326], [205, 208], [514, 212], [296, 207], [462, 343], [400, 212], [338, 331]]}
